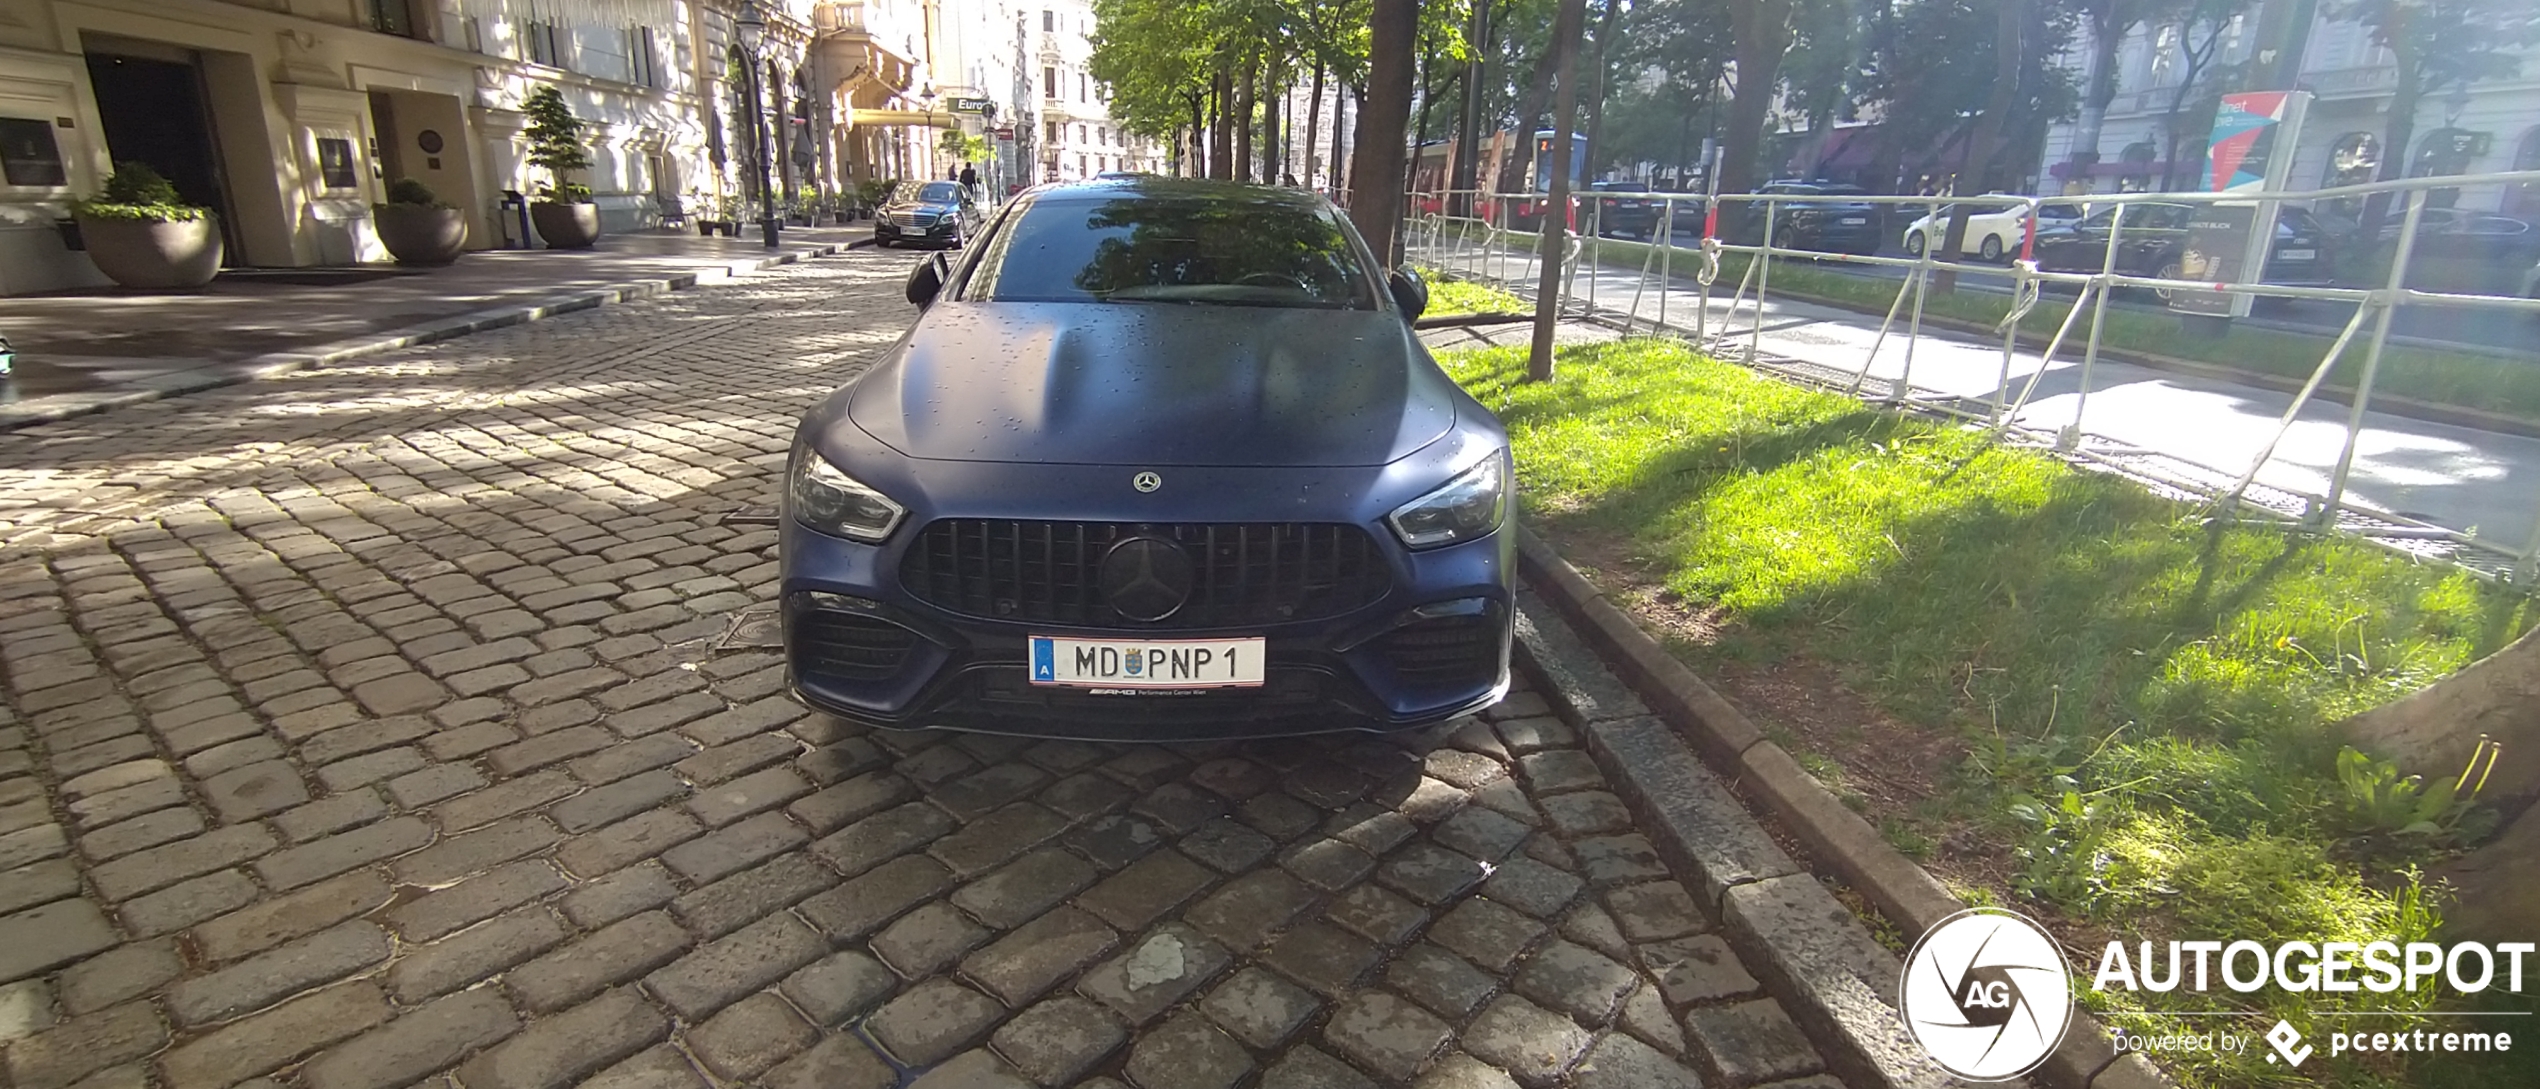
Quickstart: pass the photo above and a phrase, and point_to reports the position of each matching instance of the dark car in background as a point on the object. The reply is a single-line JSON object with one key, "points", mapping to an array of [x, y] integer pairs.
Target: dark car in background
{"points": [[2154, 238], [1625, 208], [1160, 459], [1831, 226], [935, 213]]}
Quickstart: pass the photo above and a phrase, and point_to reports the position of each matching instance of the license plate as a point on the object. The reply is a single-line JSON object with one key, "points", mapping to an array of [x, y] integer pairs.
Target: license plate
{"points": [[1855, 221], [1147, 663], [2297, 255]]}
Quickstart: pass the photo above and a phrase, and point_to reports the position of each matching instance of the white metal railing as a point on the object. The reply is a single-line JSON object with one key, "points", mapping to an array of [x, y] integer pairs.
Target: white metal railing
{"points": [[1491, 236]]}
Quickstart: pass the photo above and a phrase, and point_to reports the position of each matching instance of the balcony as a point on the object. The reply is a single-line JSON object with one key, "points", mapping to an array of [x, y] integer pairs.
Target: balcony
{"points": [[845, 15]]}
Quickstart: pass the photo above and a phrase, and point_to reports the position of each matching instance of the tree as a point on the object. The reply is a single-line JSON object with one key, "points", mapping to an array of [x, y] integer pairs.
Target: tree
{"points": [[2214, 18], [2435, 43], [1375, 197], [1763, 32], [2433, 732], [2110, 22], [555, 140], [1553, 235]]}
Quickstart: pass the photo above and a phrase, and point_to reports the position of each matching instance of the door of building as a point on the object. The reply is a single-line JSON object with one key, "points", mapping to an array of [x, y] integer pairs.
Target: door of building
{"points": [[154, 111]]}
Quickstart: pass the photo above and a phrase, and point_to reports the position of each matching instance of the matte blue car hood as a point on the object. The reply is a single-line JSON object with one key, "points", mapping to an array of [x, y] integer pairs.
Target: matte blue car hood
{"points": [[1155, 384]]}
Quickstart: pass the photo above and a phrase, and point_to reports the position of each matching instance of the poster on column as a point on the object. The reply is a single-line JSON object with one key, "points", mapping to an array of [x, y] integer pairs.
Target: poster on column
{"points": [[2250, 151]]}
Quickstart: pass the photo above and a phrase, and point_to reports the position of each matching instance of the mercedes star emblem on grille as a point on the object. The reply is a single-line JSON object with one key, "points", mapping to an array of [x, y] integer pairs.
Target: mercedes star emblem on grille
{"points": [[1146, 482], [1146, 578]]}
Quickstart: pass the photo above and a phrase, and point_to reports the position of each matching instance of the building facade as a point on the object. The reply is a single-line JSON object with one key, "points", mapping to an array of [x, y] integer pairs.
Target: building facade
{"points": [[1077, 137], [2488, 127], [289, 118]]}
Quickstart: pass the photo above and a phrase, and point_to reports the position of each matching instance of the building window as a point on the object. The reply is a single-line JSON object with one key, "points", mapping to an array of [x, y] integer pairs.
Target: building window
{"points": [[1049, 82], [546, 41], [1080, 134], [28, 153], [1102, 136], [1049, 21], [643, 64], [395, 17], [1050, 130], [1080, 86]]}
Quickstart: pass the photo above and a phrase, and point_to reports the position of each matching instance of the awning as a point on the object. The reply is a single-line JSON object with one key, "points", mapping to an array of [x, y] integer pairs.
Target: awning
{"points": [[929, 119]]}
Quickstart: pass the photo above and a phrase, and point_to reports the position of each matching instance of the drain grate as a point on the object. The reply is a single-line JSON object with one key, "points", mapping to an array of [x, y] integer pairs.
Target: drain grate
{"points": [[753, 629]]}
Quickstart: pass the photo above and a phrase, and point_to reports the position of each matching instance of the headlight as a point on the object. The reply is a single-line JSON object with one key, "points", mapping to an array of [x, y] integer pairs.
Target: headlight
{"points": [[1464, 508], [827, 499]]}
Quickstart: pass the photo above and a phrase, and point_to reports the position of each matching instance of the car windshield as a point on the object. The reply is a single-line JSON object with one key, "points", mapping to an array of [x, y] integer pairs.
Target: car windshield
{"points": [[939, 192], [1208, 249]]}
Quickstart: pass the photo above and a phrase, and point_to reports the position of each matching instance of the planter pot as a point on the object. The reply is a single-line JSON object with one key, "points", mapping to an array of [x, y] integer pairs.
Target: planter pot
{"points": [[160, 256], [566, 226], [418, 234], [705, 228]]}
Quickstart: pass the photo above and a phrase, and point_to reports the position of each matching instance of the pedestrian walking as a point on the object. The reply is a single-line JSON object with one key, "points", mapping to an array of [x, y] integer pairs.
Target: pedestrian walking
{"points": [[970, 180]]}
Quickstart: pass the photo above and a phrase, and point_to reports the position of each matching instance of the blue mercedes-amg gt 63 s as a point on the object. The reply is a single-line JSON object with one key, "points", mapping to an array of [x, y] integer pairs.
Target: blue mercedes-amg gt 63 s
{"points": [[1160, 459]]}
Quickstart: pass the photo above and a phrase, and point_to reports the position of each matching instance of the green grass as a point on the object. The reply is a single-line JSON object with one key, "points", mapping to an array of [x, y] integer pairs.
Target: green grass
{"points": [[1468, 297], [2140, 694], [2486, 382]]}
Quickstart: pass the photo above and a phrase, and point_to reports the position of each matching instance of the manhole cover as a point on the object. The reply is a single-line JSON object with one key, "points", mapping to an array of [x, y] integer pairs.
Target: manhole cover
{"points": [[753, 629]]}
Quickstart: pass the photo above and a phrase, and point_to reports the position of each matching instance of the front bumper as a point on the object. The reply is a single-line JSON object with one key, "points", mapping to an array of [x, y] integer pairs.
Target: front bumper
{"points": [[860, 646], [941, 232]]}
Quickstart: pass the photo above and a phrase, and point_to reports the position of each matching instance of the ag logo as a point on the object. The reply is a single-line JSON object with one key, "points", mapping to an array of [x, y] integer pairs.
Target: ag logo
{"points": [[1986, 995]]}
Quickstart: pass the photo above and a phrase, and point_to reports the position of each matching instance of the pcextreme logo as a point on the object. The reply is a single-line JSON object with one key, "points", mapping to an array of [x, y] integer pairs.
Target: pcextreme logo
{"points": [[1985, 994]]}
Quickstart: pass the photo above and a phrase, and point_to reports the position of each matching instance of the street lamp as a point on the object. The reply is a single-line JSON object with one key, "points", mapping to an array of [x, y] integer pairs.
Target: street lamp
{"points": [[753, 29]]}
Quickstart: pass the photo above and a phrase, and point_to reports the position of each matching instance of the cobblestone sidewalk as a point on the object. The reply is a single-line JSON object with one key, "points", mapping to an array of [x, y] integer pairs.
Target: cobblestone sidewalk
{"points": [[364, 730]]}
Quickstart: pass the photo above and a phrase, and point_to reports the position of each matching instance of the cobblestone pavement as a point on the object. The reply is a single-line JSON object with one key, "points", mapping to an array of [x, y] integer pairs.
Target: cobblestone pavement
{"points": [[364, 730]]}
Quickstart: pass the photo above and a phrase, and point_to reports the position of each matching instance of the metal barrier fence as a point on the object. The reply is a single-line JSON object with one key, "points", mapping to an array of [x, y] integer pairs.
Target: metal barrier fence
{"points": [[1492, 236]]}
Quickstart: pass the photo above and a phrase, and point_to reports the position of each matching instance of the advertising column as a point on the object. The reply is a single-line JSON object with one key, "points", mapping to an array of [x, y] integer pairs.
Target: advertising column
{"points": [[2250, 151]]}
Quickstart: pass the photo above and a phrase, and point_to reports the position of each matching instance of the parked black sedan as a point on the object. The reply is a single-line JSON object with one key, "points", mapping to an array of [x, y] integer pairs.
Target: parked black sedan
{"points": [[1160, 459], [935, 213], [2154, 238], [1828, 226], [1625, 208]]}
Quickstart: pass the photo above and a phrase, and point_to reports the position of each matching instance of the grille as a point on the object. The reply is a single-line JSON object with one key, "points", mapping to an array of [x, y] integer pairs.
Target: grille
{"points": [[1448, 650], [849, 646], [1050, 572]]}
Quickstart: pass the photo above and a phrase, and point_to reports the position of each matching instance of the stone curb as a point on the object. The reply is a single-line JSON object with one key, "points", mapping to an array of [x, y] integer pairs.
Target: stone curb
{"points": [[1838, 980], [63, 406]]}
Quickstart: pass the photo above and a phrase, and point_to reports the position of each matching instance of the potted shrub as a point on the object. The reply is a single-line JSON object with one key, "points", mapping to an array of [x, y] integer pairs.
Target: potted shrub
{"points": [[417, 227], [142, 234], [564, 214]]}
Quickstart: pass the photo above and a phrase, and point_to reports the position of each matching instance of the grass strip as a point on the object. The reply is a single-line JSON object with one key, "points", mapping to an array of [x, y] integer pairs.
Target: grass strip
{"points": [[2127, 703]]}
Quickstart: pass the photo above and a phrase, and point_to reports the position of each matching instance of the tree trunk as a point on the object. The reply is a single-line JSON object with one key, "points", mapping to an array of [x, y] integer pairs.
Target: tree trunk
{"points": [[1375, 196], [1198, 167], [2401, 129], [1977, 169], [1313, 119], [1554, 236], [1763, 38], [2097, 94], [1243, 121], [1595, 80], [2433, 733], [1468, 123], [1343, 121], [1221, 139]]}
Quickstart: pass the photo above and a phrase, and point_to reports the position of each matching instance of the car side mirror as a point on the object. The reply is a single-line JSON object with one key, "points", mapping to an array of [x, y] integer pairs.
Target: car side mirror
{"points": [[925, 280], [1410, 292]]}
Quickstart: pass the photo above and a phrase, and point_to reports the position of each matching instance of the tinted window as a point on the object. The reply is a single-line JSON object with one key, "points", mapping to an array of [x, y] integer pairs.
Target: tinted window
{"points": [[1138, 248], [939, 192]]}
